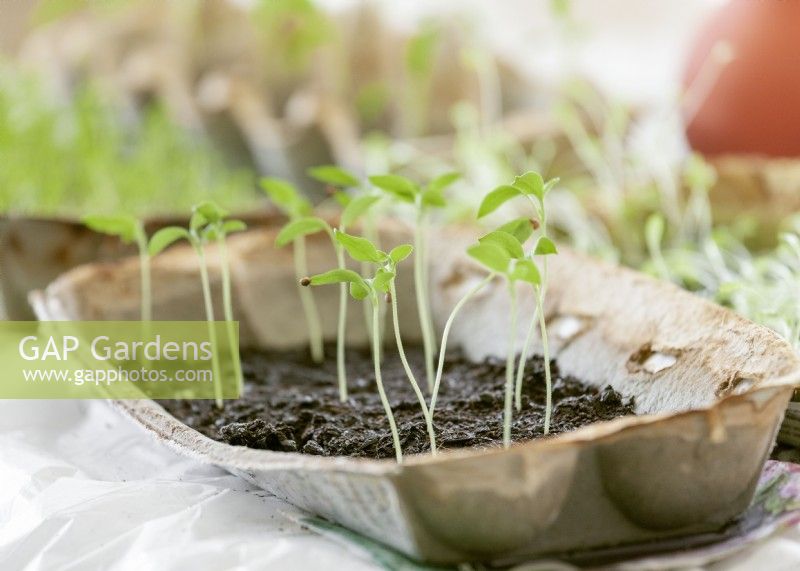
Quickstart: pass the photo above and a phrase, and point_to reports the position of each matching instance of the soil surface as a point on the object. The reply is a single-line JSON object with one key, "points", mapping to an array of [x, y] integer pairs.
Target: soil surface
{"points": [[292, 405]]}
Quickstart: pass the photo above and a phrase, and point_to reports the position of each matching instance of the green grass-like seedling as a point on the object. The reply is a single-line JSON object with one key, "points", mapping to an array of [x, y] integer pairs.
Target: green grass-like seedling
{"points": [[207, 223], [501, 253], [217, 230], [129, 230], [287, 198], [301, 226], [404, 191], [382, 283], [532, 187]]}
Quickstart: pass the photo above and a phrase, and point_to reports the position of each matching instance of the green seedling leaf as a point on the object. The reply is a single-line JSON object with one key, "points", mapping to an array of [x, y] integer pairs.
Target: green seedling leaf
{"points": [[383, 278], [334, 176], [526, 271], [549, 185], [434, 198], [358, 291], [490, 255], [231, 226], [530, 183], [360, 249], [286, 197], [496, 198], [545, 247], [166, 237], [125, 227], [342, 198], [335, 277], [357, 207], [300, 227], [210, 211], [396, 185], [401, 252], [521, 229], [197, 221], [443, 181], [505, 241]]}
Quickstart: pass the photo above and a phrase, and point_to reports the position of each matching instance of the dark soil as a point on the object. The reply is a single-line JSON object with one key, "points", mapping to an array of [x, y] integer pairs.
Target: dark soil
{"points": [[293, 405]]}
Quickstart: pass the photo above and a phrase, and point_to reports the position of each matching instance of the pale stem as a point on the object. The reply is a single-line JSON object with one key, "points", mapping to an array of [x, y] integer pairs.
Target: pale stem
{"points": [[144, 270], [342, 328], [523, 359], [546, 356], [212, 331], [509, 389], [371, 233], [422, 301], [409, 372], [307, 299], [447, 326], [227, 305], [376, 359]]}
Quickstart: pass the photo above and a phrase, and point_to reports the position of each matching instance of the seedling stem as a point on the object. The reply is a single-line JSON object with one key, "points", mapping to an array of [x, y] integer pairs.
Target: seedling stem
{"points": [[425, 412]]}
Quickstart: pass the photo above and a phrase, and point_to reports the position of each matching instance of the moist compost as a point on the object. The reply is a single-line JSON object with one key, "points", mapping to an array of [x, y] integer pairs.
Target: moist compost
{"points": [[292, 405]]}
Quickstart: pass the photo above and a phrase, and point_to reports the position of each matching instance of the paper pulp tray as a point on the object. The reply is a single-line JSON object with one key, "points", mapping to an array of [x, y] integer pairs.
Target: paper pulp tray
{"points": [[710, 390]]}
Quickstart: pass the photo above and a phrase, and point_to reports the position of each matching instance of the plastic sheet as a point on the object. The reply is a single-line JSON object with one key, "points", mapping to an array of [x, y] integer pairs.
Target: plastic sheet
{"points": [[82, 488]]}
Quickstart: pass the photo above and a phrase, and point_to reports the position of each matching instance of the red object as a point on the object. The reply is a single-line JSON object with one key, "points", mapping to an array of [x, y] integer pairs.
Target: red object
{"points": [[754, 106]]}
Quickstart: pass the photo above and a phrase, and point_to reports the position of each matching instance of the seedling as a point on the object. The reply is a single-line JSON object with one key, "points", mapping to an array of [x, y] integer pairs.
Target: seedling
{"points": [[217, 229], [502, 254], [129, 230], [207, 223], [531, 186], [307, 225], [288, 199], [382, 283], [423, 199]]}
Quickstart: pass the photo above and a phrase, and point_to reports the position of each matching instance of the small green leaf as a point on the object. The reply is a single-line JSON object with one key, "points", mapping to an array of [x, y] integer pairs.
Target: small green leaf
{"points": [[165, 237], [197, 221], [521, 229], [358, 291], [210, 211], [549, 185], [342, 198], [401, 252], [496, 198], [337, 276], [360, 249], [526, 270], [434, 197], [443, 181], [231, 226], [383, 278], [545, 247], [210, 232], [334, 176], [357, 207], [530, 183], [490, 255], [286, 197], [300, 227], [396, 185], [505, 241], [125, 227]]}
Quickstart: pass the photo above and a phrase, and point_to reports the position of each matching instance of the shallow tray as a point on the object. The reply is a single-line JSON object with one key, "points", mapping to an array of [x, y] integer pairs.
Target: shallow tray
{"points": [[710, 390]]}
